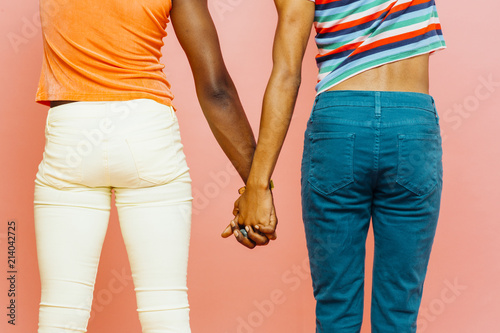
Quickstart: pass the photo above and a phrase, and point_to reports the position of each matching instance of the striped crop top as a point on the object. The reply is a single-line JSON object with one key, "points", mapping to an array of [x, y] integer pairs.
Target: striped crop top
{"points": [[356, 35]]}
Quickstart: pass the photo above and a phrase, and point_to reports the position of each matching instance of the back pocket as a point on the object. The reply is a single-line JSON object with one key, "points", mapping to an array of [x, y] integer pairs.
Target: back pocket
{"points": [[155, 156], [419, 162], [331, 161], [62, 162]]}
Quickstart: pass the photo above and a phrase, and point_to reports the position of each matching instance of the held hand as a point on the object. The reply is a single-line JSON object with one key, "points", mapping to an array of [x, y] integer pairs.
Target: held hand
{"points": [[246, 236], [255, 218]]}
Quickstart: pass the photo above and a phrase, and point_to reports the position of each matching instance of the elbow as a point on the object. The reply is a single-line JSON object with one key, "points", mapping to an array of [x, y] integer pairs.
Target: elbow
{"points": [[289, 79], [295, 80], [219, 93]]}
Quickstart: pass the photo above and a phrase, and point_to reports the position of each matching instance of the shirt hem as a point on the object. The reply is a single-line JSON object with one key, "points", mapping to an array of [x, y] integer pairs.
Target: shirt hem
{"points": [[45, 99]]}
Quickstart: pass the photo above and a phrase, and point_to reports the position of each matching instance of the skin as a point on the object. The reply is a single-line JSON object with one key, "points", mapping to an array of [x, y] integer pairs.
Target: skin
{"points": [[215, 90], [255, 207]]}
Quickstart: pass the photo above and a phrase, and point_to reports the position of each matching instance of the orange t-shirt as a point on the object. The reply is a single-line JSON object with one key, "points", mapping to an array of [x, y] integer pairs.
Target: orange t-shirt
{"points": [[103, 50]]}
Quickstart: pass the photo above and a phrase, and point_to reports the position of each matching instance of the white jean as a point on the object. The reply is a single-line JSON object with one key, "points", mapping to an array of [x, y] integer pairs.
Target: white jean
{"points": [[91, 149]]}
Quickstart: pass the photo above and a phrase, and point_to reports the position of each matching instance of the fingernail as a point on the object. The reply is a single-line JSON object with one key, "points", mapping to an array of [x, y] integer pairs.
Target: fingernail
{"points": [[257, 227], [232, 223], [235, 233], [247, 228]]}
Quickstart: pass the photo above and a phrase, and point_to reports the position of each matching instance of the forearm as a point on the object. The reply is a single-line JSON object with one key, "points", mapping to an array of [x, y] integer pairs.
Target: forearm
{"points": [[227, 120], [255, 207], [277, 110], [215, 89]]}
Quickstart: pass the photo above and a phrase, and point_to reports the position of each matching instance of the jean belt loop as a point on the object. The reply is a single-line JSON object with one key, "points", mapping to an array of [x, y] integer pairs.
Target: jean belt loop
{"points": [[316, 99], [377, 104], [435, 110], [47, 121]]}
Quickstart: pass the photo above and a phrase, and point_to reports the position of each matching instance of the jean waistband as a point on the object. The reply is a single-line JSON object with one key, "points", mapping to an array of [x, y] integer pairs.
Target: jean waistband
{"points": [[370, 98], [99, 108]]}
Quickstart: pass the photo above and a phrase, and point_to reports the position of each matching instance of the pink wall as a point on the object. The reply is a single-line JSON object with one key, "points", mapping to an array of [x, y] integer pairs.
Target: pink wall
{"points": [[233, 290]]}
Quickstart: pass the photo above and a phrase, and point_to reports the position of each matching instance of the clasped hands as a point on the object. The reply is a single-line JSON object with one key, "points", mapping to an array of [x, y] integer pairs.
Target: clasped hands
{"points": [[254, 212]]}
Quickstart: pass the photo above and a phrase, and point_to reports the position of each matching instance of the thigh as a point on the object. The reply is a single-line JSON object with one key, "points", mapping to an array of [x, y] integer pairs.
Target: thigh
{"points": [[70, 226], [404, 234], [155, 223]]}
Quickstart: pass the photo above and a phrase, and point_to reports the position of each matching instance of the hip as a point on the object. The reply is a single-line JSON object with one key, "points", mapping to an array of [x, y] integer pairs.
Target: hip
{"points": [[133, 143]]}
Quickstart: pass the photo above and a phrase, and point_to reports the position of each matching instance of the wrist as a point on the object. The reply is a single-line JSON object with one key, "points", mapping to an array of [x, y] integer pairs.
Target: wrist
{"points": [[257, 181], [262, 186]]}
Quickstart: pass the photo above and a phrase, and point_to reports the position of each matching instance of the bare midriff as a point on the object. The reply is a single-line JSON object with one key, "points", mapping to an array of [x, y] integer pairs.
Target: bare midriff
{"points": [[56, 103], [410, 75]]}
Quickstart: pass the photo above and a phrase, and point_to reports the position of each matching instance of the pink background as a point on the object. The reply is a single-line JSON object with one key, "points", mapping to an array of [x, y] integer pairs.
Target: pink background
{"points": [[232, 289]]}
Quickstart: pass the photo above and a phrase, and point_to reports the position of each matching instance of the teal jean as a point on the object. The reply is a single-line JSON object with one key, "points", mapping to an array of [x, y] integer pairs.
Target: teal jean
{"points": [[370, 155]]}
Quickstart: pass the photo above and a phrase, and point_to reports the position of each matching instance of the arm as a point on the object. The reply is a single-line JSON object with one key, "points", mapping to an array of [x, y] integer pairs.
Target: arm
{"points": [[295, 19], [215, 89]]}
